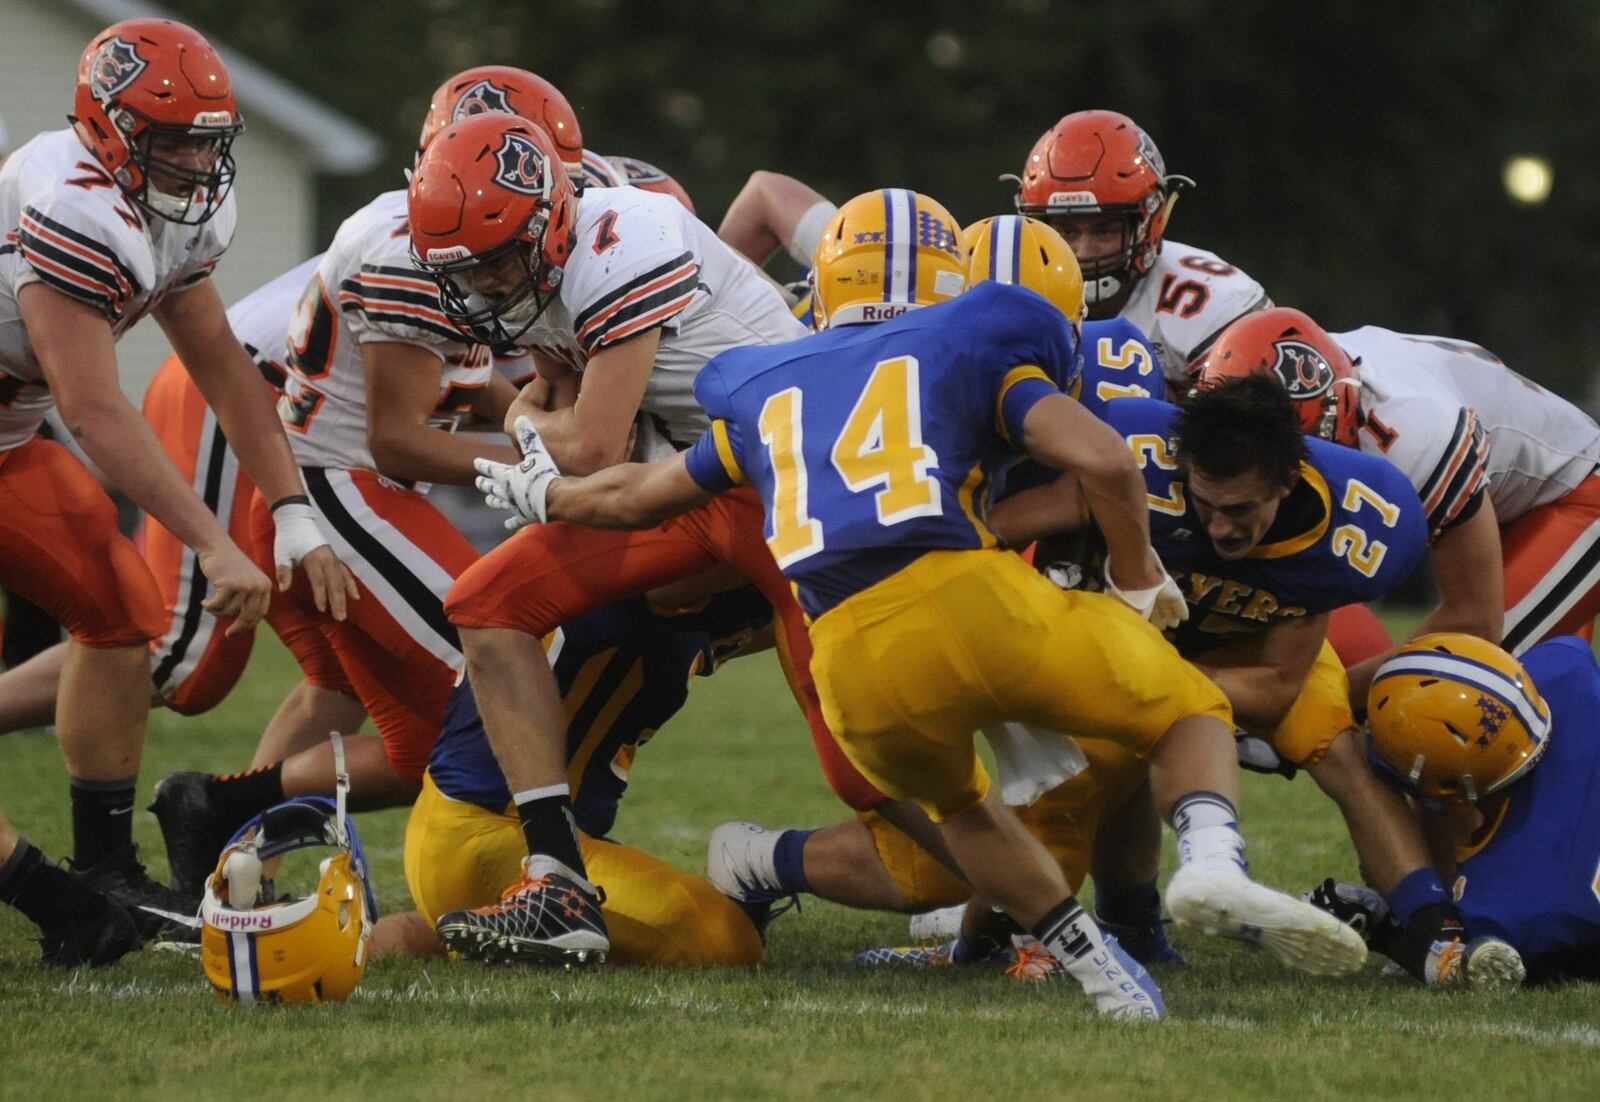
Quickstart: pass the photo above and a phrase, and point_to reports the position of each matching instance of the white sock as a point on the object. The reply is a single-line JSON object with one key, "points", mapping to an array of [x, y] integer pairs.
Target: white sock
{"points": [[1208, 832]]}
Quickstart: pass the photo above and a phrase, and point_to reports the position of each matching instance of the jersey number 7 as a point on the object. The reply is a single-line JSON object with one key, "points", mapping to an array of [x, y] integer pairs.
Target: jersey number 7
{"points": [[880, 447]]}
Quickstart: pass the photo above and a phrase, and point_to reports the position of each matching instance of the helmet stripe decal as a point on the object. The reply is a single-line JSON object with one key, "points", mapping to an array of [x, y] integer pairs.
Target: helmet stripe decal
{"points": [[899, 245], [1484, 678], [1005, 249], [242, 962]]}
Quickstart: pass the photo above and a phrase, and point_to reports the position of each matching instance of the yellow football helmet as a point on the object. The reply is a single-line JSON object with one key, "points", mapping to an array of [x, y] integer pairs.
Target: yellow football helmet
{"points": [[1028, 253], [1455, 718], [883, 253], [256, 948]]}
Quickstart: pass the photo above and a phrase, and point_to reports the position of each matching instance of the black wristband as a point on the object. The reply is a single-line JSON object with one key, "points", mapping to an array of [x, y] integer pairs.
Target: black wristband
{"points": [[292, 499]]}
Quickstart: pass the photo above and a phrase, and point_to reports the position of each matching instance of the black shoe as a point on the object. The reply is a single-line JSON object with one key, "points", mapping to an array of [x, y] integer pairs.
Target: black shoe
{"points": [[548, 918], [192, 828], [159, 913], [100, 939]]}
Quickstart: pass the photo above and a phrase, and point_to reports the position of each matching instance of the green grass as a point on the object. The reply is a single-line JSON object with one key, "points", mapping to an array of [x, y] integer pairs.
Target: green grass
{"points": [[803, 1024]]}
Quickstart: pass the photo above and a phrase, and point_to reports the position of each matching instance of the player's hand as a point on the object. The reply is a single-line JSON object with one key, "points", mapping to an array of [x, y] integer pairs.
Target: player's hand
{"points": [[519, 488], [1161, 603], [300, 541], [239, 589]]}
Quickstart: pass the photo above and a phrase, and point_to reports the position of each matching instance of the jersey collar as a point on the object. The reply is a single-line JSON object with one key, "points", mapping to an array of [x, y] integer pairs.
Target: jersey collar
{"points": [[1296, 544]]}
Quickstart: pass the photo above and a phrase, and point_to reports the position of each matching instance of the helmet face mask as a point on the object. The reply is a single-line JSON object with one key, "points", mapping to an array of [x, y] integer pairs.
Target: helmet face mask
{"points": [[497, 319], [156, 108]]}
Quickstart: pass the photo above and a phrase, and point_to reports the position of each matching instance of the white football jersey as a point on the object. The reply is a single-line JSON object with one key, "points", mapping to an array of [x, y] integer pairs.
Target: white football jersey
{"points": [[69, 226], [366, 289], [642, 261], [261, 319], [1185, 301], [1455, 419]]}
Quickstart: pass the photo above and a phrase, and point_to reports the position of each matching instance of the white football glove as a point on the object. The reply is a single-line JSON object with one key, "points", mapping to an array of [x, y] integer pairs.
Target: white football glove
{"points": [[519, 488], [1163, 605], [298, 533]]}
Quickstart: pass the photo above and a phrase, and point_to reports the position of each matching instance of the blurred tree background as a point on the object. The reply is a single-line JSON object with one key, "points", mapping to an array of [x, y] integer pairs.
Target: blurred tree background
{"points": [[1350, 156]]}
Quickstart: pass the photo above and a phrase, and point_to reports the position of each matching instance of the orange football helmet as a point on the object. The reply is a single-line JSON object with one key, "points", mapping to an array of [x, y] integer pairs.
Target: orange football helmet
{"points": [[1100, 162], [1287, 344], [492, 213], [156, 109], [1455, 718], [513, 91], [647, 177]]}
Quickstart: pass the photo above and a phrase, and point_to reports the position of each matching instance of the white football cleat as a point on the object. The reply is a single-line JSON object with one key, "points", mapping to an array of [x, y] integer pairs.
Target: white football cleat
{"points": [[937, 926], [1227, 903], [1492, 965], [740, 865]]}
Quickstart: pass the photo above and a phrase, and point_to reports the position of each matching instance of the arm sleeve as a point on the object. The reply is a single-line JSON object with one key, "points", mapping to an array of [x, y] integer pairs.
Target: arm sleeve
{"points": [[712, 460], [387, 302], [85, 257]]}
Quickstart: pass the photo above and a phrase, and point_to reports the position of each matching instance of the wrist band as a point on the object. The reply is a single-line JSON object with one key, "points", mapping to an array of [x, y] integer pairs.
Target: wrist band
{"points": [[292, 499]]}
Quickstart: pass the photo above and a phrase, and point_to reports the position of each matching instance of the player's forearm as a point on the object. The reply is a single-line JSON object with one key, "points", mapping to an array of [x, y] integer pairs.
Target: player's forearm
{"points": [[578, 448], [422, 453], [1261, 696], [611, 498], [122, 445], [1116, 499]]}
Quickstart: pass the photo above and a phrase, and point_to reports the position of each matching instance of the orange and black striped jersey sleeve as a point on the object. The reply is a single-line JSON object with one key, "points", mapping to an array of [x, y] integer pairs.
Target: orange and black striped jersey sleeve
{"points": [[1455, 487], [75, 263], [647, 300]]}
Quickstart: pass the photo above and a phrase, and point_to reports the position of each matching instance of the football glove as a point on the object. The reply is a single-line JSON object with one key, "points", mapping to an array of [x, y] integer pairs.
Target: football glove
{"points": [[1163, 605], [298, 533], [519, 488]]}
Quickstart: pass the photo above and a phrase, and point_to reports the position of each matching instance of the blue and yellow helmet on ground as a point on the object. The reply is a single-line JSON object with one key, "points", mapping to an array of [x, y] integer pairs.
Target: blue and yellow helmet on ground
{"points": [[1455, 718], [883, 253], [1024, 251], [258, 947]]}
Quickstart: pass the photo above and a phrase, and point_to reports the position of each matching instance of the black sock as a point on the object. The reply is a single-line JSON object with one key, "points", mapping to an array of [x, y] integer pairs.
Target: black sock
{"points": [[240, 796], [1409, 945], [102, 819], [983, 937], [1056, 932], [1138, 906], [49, 896], [548, 827]]}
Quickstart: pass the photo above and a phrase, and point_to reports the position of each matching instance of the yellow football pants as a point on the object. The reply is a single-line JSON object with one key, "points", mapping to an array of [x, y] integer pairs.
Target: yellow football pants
{"points": [[911, 667], [1066, 819], [1319, 714], [458, 855]]}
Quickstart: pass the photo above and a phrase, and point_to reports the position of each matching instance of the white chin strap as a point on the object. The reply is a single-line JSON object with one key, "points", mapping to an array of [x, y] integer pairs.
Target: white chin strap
{"points": [[1100, 290], [341, 788]]}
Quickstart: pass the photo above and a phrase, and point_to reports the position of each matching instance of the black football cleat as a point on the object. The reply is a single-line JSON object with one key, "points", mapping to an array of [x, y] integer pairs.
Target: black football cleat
{"points": [[158, 912], [194, 831]]}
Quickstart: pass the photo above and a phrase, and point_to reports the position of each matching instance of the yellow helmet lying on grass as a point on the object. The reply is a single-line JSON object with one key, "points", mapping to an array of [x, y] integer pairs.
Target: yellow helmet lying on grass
{"points": [[258, 947]]}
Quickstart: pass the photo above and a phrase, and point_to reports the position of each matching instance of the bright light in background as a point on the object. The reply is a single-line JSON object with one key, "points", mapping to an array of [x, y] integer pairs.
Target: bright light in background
{"points": [[1528, 179]]}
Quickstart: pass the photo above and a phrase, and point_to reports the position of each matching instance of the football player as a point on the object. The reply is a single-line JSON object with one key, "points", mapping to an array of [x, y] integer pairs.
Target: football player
{"points": [[773, 211], [641, 294], [195, 663], [872, 488], [123, 214], [1099, 181], [77, 924], [1505, 469], [1517, 807], [624, 671]]}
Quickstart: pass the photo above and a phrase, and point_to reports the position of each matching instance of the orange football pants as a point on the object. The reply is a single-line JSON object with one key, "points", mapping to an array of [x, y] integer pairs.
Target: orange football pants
{"points": [[194, 664], [1552, 568], [548, 574], [395, 650], [63, 552]]}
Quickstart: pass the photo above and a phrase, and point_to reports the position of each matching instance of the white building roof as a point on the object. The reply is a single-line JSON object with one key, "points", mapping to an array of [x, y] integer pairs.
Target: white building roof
{"points": [[336, 143]]}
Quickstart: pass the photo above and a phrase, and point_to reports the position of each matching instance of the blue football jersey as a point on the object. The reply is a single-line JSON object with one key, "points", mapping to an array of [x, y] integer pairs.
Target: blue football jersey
{"points": [[1535, 881], [1369, 534], [1118, 362], [873, 444], [623, 672]]}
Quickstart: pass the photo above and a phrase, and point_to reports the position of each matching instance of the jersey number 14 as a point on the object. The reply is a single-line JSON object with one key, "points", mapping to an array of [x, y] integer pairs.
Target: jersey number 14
{"points": [[880, 447]]}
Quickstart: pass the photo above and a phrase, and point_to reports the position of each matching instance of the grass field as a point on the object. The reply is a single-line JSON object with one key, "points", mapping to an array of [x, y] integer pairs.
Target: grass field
{"points": [[803, 1025]]}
